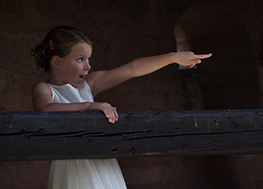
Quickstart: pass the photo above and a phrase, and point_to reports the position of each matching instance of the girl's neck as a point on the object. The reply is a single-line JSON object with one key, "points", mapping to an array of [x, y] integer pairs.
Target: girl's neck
{"points": [[54, 79]]}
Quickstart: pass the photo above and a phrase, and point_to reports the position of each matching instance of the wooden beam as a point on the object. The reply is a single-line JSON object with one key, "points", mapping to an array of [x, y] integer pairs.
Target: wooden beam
{"points": [[73, 135]]}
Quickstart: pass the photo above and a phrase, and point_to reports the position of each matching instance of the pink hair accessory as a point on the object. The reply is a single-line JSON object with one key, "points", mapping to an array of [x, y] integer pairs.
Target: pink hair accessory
{"points": [[51, 46]]}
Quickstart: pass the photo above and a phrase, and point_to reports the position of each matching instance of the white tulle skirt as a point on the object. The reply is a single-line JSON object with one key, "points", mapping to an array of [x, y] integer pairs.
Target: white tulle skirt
{"points": [[86, 174]]}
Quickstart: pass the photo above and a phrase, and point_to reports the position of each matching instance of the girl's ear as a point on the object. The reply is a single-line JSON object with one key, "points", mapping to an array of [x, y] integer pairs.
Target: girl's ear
{"points": [[56, 62]]}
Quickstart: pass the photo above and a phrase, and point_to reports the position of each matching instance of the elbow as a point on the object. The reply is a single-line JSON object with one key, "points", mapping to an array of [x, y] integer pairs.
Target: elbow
{"points": [[133, 71], [37, 109], [41, 109]]}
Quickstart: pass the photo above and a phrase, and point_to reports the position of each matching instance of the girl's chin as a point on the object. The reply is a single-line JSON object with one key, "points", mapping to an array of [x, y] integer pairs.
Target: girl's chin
{"points": [[82, 80], [76, 85]]}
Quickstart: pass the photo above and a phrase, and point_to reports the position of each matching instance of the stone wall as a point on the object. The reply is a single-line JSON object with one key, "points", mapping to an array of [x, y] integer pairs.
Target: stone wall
{"points": [[125, 30]]}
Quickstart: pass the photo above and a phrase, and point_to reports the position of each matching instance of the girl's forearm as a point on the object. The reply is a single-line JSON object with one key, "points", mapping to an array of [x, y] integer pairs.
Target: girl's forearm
{"points": [[109, 111], [143, 66], [147, 65], [65, 107]]}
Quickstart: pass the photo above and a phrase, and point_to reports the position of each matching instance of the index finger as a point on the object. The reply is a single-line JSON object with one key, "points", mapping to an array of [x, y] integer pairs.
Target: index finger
{"points": [[203, 56]]}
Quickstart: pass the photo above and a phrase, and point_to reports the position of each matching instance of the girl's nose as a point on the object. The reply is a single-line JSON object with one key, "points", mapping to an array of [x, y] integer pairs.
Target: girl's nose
{"points": [[87, 66]]}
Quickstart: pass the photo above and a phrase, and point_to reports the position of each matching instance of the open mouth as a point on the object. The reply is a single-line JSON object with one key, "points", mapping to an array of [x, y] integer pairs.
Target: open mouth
{"points": [[82, 76]]}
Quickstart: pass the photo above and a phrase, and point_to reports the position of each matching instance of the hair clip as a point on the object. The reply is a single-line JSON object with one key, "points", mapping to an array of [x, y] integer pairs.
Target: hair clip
{"points": [[51, 46]]}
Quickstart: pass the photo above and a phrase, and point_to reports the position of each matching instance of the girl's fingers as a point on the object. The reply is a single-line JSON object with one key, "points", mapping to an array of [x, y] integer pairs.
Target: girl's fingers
{"points": [[197, 59], [194, 62], [190, 59], [192, 65], [203, 56], [116, 116], [111, 113]]}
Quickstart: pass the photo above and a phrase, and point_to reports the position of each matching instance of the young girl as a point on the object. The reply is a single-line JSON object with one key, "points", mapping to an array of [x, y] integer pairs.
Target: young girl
{"points": [[64, 54]]}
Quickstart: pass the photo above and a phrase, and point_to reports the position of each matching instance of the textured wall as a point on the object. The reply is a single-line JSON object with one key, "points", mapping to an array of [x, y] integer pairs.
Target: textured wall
{"points": [[125, 30]]}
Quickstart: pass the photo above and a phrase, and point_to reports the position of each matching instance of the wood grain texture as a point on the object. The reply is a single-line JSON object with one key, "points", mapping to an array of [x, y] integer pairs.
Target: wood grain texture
{"points": [[71, 135]]}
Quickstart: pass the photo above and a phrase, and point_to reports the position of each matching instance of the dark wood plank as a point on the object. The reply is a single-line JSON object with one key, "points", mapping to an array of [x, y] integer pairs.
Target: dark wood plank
{"points": [[72, 135]]}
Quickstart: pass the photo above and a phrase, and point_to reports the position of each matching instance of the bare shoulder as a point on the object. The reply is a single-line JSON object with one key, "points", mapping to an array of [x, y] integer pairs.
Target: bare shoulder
{"points": [[40, 83], [41, 87], [41, 95]]}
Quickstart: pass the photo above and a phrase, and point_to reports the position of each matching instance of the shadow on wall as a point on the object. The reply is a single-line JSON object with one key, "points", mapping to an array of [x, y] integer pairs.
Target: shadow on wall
{"points": [[231, 75], [191, 90]]}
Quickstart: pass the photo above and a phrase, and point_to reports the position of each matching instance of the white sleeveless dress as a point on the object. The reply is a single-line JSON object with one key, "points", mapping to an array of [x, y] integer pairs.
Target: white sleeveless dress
{"points": [[82, 173]]}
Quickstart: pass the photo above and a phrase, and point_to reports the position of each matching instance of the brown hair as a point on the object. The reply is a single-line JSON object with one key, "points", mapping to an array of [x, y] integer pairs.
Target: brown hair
{"points": [[59, 41]]}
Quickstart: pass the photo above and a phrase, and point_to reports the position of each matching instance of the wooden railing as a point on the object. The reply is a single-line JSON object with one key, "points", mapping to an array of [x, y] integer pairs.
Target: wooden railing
{"points": [[74, 135]]}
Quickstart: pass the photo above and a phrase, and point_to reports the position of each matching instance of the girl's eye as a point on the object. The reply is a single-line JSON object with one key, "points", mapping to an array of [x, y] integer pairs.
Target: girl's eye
{"points": [[80, 59]]}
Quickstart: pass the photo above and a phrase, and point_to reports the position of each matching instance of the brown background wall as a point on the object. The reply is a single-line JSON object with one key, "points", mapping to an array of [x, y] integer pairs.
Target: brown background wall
{"points": [[125, 30]]}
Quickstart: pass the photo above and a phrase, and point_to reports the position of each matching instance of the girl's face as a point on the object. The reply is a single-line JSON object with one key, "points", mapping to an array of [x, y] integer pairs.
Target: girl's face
{"points": [[75, 66]]}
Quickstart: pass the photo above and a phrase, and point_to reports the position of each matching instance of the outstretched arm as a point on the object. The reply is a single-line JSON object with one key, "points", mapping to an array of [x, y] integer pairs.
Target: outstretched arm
{"points": [[103, 80]]}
